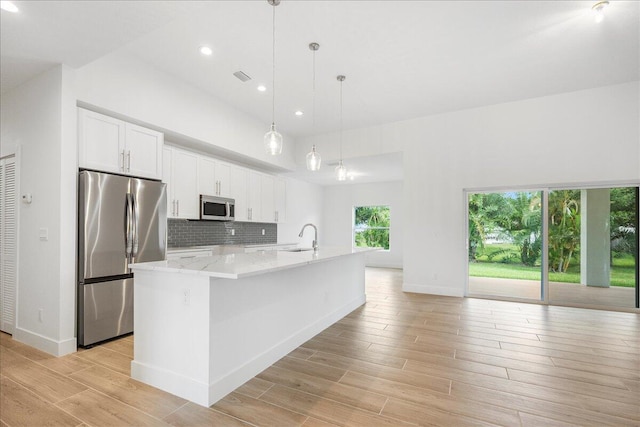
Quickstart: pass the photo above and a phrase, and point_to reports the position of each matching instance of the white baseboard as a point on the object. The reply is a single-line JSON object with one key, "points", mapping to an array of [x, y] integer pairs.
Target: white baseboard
{"points": [[182, 386], [433, 290], [48, 345]]}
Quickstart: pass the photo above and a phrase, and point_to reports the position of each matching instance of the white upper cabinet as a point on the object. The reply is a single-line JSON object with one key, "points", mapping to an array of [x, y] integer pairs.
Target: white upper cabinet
{"points": [[112, 145], [214, 177], [281, 199], [254, 197], [239, 191], [183, 197], [268, 212], [143, 149], [101, 142]]}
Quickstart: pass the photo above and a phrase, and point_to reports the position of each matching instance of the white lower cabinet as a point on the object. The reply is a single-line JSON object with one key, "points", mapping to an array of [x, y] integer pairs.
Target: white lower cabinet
{"points": [[183, 199]]}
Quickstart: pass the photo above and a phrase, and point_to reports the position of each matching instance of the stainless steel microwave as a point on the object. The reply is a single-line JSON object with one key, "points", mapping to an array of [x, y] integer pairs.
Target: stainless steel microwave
{"points": [[217, 208]]}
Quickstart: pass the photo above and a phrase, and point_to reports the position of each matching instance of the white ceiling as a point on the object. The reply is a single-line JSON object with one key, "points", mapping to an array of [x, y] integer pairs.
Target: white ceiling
{"points": [[402, 59]]}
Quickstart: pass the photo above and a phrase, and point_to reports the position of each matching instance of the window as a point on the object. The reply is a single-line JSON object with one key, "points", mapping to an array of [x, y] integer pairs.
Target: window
{"points": [[371, 226]]}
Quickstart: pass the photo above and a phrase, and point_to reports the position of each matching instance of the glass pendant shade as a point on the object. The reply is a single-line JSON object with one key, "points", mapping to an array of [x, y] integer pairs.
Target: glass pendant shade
{"points": [[313, 160], [341, 172], [273, 141]]}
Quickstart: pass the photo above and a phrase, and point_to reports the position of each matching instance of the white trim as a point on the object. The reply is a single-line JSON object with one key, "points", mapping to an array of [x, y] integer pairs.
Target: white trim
{"points": [[57, 348], [556, 186], [433, 290]]}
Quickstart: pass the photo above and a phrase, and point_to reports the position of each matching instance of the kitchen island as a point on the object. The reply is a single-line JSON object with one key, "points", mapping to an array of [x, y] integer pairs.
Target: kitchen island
{"points": [[204, 326]]}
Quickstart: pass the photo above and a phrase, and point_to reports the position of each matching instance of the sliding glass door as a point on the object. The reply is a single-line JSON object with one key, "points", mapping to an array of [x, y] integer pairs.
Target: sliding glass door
{"points": [[505, 244], [563, 246], [593, 247]]}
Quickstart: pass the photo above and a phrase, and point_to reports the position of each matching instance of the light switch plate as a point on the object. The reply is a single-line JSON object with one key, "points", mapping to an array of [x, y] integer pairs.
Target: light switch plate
{"points": [[44, 234]]}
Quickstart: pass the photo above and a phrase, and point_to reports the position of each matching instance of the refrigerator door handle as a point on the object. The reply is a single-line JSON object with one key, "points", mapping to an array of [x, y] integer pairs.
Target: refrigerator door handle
{"points": [[134, 228], [128, 237]]}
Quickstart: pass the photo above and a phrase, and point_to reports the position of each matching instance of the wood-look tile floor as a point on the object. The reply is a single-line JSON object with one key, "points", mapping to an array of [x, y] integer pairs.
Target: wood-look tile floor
{"points": [[401, 359]]}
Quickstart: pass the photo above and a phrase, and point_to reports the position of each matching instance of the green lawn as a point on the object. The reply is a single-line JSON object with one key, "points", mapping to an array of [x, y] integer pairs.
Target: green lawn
{"points": [[495, 262]]}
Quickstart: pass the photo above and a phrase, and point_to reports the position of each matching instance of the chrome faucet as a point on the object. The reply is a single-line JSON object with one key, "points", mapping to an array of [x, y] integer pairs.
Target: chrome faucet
{"points": [[315, 238]]}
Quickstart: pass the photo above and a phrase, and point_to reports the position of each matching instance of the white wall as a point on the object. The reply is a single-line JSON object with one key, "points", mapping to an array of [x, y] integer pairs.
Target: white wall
{"points": [[580, 137], [127, 86], [304, 205], [339, 201], [35, 116], [589, 136]]}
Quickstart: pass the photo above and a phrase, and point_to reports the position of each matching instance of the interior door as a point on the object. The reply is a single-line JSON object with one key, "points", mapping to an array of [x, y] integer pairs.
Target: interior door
{"points": [[8, 244]]}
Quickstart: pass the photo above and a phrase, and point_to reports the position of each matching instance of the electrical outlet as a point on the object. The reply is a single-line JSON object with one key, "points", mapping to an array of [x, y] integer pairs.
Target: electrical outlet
{"points": [[233, 232], [186, 296], [263, 231]]}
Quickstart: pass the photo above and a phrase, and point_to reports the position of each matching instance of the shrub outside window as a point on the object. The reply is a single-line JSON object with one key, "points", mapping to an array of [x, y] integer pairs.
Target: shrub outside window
{"points": [[371, 226]]}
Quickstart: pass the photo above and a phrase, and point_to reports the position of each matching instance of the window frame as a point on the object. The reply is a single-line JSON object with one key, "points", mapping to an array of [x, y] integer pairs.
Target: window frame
{"points": [[354, 226]]}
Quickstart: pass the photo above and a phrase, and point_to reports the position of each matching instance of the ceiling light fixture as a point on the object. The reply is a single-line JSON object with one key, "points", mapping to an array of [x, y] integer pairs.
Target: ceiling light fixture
{"points": [[598, 9], [313, 157], [272, 139], [299, 113], [262, 88], [9, 6], [341, 170], [206, 50]]}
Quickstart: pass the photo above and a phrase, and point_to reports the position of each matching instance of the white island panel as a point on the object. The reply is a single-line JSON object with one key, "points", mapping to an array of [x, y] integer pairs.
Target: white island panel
{"points": [[200, 337]]}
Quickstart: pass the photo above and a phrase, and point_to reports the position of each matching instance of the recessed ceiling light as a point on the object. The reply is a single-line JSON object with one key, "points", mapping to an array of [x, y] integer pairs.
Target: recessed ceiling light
{"points": [[8, 6], [262, 88], [206, 50], [299, 113]]}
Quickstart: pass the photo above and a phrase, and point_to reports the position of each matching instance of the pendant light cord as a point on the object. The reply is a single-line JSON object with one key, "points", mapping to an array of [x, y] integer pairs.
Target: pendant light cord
{"points": [[273, 70], [313, 113], [341, 120]]}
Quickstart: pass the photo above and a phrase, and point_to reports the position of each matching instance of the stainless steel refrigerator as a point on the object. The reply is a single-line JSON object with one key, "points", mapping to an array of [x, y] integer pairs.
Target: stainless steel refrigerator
{"points": [[121, 220]]}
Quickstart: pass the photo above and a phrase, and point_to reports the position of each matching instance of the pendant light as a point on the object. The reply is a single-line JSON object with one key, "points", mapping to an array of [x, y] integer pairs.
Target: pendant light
{"points": [[272, 139], [313, 158], [341, 170]]}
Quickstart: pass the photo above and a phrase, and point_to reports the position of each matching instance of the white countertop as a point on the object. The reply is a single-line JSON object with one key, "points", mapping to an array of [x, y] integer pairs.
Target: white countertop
{"points": [[232, 248], [239, 265]]}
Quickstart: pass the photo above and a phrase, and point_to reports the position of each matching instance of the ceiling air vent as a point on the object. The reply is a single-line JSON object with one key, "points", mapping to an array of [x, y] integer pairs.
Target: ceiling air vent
{"points": [[242, 76]]}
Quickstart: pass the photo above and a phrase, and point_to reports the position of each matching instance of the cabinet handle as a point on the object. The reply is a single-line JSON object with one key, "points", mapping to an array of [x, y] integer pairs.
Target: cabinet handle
{"points": [[173, 207], [177, 207], [128, 161], [219, 188], [248, 213], [122, 160]]}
